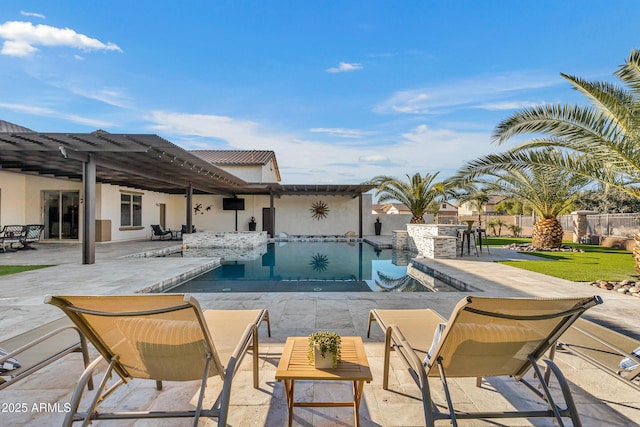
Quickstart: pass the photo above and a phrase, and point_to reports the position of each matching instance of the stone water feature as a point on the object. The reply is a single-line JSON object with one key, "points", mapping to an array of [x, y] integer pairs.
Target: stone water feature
{"points": [[428, 240], [225, 239]]}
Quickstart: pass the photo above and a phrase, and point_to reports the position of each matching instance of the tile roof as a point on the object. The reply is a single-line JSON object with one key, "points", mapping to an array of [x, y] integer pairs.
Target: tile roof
{"points": [[235, 157], [12, 127]]}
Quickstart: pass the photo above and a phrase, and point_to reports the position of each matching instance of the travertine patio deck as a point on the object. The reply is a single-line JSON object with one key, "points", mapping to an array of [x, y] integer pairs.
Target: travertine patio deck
{"points": [[602, 400]]}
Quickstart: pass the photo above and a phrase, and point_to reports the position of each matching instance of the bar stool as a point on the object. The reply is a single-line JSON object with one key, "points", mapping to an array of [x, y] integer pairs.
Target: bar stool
{"points": [[481, 232], [468, 236]]}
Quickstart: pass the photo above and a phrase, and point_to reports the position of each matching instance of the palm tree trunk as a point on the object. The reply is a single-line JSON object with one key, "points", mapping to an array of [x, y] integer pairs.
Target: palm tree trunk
{"points": [[547, 234]]}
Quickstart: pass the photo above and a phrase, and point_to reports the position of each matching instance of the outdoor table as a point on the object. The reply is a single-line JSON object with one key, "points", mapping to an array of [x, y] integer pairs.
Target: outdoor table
{"points": [[353, 366]]}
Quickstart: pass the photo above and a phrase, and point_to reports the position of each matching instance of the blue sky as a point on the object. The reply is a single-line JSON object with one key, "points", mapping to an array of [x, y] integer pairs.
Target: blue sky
{"points": [[341, 90]]}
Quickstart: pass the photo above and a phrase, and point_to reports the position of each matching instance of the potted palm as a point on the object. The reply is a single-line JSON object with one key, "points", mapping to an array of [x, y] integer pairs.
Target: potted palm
{"points": [[324, 349]]}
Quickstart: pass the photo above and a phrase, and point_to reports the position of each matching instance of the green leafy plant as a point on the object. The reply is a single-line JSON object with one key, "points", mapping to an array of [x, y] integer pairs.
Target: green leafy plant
{"points": [[326, 342], [515, 229]]}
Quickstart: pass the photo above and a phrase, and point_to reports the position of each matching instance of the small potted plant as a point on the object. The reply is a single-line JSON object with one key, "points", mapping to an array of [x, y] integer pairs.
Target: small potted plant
{"points": [[252, 224], [324, 349]]}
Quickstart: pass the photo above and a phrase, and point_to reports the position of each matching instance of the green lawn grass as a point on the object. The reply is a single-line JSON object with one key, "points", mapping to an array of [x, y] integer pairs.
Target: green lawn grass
{"points": [[596, 263], [12, 269]]}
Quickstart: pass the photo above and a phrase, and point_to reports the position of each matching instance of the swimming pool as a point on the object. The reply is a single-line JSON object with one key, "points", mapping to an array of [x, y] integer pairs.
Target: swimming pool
{"points": [[320, 267]]}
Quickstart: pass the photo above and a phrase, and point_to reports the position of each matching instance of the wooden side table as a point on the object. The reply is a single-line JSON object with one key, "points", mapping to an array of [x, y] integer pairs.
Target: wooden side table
{"points": [[294, 365]]}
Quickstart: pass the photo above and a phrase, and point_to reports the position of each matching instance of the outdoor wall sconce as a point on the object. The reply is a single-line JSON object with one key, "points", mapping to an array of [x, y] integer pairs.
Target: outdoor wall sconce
{"points": [[319, 210]]}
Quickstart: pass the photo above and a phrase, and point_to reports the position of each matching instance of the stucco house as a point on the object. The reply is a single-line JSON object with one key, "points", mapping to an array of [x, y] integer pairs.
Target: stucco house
{"points": [[99, 187], [447, 213], [390, 209], [470, 208]]}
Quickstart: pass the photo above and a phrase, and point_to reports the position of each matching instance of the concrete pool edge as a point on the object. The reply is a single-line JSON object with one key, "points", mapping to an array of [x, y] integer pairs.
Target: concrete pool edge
{"points": [[170, 283]]}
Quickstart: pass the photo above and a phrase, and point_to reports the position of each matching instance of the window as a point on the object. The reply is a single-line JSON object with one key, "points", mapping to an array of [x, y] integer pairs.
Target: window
{"points": [[444, 206], [130, 210]]}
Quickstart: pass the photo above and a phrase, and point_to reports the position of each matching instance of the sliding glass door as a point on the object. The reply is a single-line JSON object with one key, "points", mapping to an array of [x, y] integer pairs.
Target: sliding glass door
{"points": [[61, 214]]}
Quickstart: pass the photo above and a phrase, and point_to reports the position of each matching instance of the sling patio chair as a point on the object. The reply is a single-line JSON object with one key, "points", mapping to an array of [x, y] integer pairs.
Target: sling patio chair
{"points": [[612, 352], [483, 337], [160, 233], [161, 337], [37, 348]]}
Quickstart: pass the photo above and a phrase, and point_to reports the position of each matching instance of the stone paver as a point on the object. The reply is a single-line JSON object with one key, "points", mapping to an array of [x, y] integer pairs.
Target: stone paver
{"points": [[600, 398]]}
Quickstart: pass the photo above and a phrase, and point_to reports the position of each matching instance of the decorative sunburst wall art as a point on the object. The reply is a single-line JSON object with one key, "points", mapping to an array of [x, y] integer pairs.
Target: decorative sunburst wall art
{"points": [[319, 262], [319, 210]]}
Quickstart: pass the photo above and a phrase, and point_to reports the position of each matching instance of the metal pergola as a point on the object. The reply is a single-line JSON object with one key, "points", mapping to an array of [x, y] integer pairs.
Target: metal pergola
{"points": [[148, 162], [143, 161]]}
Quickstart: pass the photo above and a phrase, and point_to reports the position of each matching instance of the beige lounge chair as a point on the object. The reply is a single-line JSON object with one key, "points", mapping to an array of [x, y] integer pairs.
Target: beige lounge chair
{"points": [[603, 348], [483, 337], [161, 337]]}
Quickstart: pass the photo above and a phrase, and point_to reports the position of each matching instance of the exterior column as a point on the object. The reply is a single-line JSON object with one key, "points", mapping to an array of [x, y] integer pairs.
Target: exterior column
{"points": [[89, 213], [360, 215], [189, 208], [273, 215], [580, 224]]}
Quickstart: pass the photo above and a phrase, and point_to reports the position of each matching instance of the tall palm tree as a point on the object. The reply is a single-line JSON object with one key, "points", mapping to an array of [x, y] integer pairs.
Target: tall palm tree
{"points": [[417, 194], [549, 195], [605, 133]]}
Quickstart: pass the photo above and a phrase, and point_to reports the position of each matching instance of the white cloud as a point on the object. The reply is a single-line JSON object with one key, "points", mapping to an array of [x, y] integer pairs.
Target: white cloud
{"points": [[375, 159], [32, 14], [506, 105], [341, 132], [472, 92], [47, 112], [419, 149], [344, 67], [21, 39], [107, 96], [443, 148], [300, 160]]}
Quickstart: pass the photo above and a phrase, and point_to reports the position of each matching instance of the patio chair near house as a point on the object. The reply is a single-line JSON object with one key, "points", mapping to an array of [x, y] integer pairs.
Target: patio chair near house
{"points": [[157, 232], [11, 235], [161, 337], [483, 337], [32, 233], [183, 229]]}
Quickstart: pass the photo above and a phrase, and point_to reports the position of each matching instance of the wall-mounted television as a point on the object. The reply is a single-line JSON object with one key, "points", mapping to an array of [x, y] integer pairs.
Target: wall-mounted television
{"points": [[232, 204]]}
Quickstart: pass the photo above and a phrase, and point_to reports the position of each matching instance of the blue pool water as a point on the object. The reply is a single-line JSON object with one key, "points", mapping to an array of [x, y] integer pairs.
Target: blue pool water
{"points": [[320, 267]]}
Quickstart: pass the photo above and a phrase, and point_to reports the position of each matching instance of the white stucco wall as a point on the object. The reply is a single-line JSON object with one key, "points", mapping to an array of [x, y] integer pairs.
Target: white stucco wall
{"points": [[215, 219], [253, 173], [293, 215], [109, 208], [246, 173], [21, 203], [12, 198], [389, 223], [35, 185], [269, 173]]}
